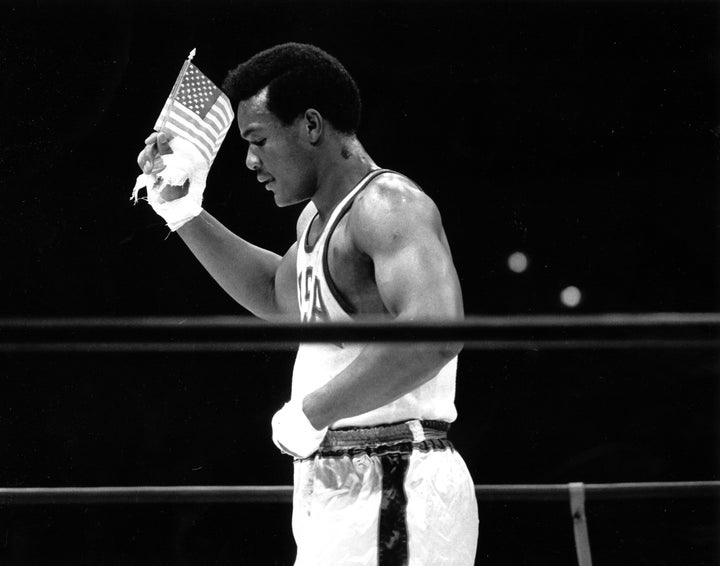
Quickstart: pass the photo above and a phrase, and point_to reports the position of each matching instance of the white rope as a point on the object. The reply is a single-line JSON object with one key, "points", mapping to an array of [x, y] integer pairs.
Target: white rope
{"points": [[577, 509]]}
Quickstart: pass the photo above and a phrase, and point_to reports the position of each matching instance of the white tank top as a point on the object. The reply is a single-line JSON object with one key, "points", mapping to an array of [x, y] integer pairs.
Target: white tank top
{"points": [[316, 364]]}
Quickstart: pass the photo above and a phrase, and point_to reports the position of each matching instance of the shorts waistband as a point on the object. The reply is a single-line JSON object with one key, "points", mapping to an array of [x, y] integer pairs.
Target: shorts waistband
{"points": [[414, 431]]}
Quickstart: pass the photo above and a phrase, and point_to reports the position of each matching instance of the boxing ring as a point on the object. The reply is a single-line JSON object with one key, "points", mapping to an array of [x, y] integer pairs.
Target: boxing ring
{"points": [[230, 334]]}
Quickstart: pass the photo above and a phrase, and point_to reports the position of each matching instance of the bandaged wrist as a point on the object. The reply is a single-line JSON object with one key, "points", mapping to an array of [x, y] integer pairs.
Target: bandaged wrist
{"points": [[293, 433], [184, 166]]}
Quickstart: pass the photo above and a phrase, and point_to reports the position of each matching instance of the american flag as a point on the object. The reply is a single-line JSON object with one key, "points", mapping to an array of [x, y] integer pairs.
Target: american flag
{"points": [[198, 111]]}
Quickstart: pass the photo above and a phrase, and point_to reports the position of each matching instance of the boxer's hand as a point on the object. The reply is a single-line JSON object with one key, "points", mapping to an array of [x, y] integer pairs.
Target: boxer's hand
{"points": [[292, 432], [156, 145], [150, 161], [174, 174]]}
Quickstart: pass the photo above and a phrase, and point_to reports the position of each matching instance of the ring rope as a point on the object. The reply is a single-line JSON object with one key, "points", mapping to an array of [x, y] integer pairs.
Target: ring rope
{"points": [[218, 334], [283, 493], [226, 334]]}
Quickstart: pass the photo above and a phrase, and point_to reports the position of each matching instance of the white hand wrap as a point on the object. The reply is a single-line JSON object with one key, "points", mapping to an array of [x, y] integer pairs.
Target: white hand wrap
{"points": [[292, 432], [185, 163]]}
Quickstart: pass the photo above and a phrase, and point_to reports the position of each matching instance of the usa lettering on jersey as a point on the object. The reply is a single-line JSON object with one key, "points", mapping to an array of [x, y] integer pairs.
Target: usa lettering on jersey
{"points": [[312, 305]]}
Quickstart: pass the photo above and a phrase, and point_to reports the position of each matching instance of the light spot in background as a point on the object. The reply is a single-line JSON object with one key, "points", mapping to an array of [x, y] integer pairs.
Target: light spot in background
{"points": [[518, 262], [570, 296]]}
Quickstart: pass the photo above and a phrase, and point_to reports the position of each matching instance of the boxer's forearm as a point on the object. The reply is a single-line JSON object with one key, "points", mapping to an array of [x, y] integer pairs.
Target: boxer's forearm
{"points": [[245, 271], [379, 375]]}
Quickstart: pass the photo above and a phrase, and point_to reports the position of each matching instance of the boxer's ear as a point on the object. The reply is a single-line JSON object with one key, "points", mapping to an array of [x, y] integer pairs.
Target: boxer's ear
{"points": [[313, 125]]}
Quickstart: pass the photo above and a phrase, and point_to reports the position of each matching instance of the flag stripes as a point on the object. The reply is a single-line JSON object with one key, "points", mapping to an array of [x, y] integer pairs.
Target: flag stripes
{"points": [[198, 111], [183, 122]]}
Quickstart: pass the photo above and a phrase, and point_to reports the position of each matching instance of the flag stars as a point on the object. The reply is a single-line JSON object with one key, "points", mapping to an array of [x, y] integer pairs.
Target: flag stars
{"points": [[202, 114], [197, 92]]}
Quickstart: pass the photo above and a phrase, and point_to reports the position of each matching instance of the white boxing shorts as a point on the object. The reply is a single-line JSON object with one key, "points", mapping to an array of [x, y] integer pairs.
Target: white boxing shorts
{"points": [[395, 495]]}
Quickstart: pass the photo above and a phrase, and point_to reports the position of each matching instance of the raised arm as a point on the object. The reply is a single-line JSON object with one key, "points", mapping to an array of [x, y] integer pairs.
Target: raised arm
{"points": [[400, 229], [261, 281]]}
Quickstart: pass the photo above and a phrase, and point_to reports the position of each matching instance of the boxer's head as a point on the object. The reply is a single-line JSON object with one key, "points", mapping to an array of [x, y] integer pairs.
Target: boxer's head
{"points": [[298, 77]]}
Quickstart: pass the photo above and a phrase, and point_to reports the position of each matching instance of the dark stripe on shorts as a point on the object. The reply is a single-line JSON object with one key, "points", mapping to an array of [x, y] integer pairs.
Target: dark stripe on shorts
{"points": [[392, 529]]}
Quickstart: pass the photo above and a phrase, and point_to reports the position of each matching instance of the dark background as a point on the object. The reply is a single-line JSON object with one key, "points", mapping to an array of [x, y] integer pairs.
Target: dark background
{"points": [[584, 134]]}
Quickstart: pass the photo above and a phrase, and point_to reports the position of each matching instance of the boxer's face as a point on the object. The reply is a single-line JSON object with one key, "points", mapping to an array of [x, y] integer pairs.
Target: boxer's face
{"points": [[278, 154]]}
